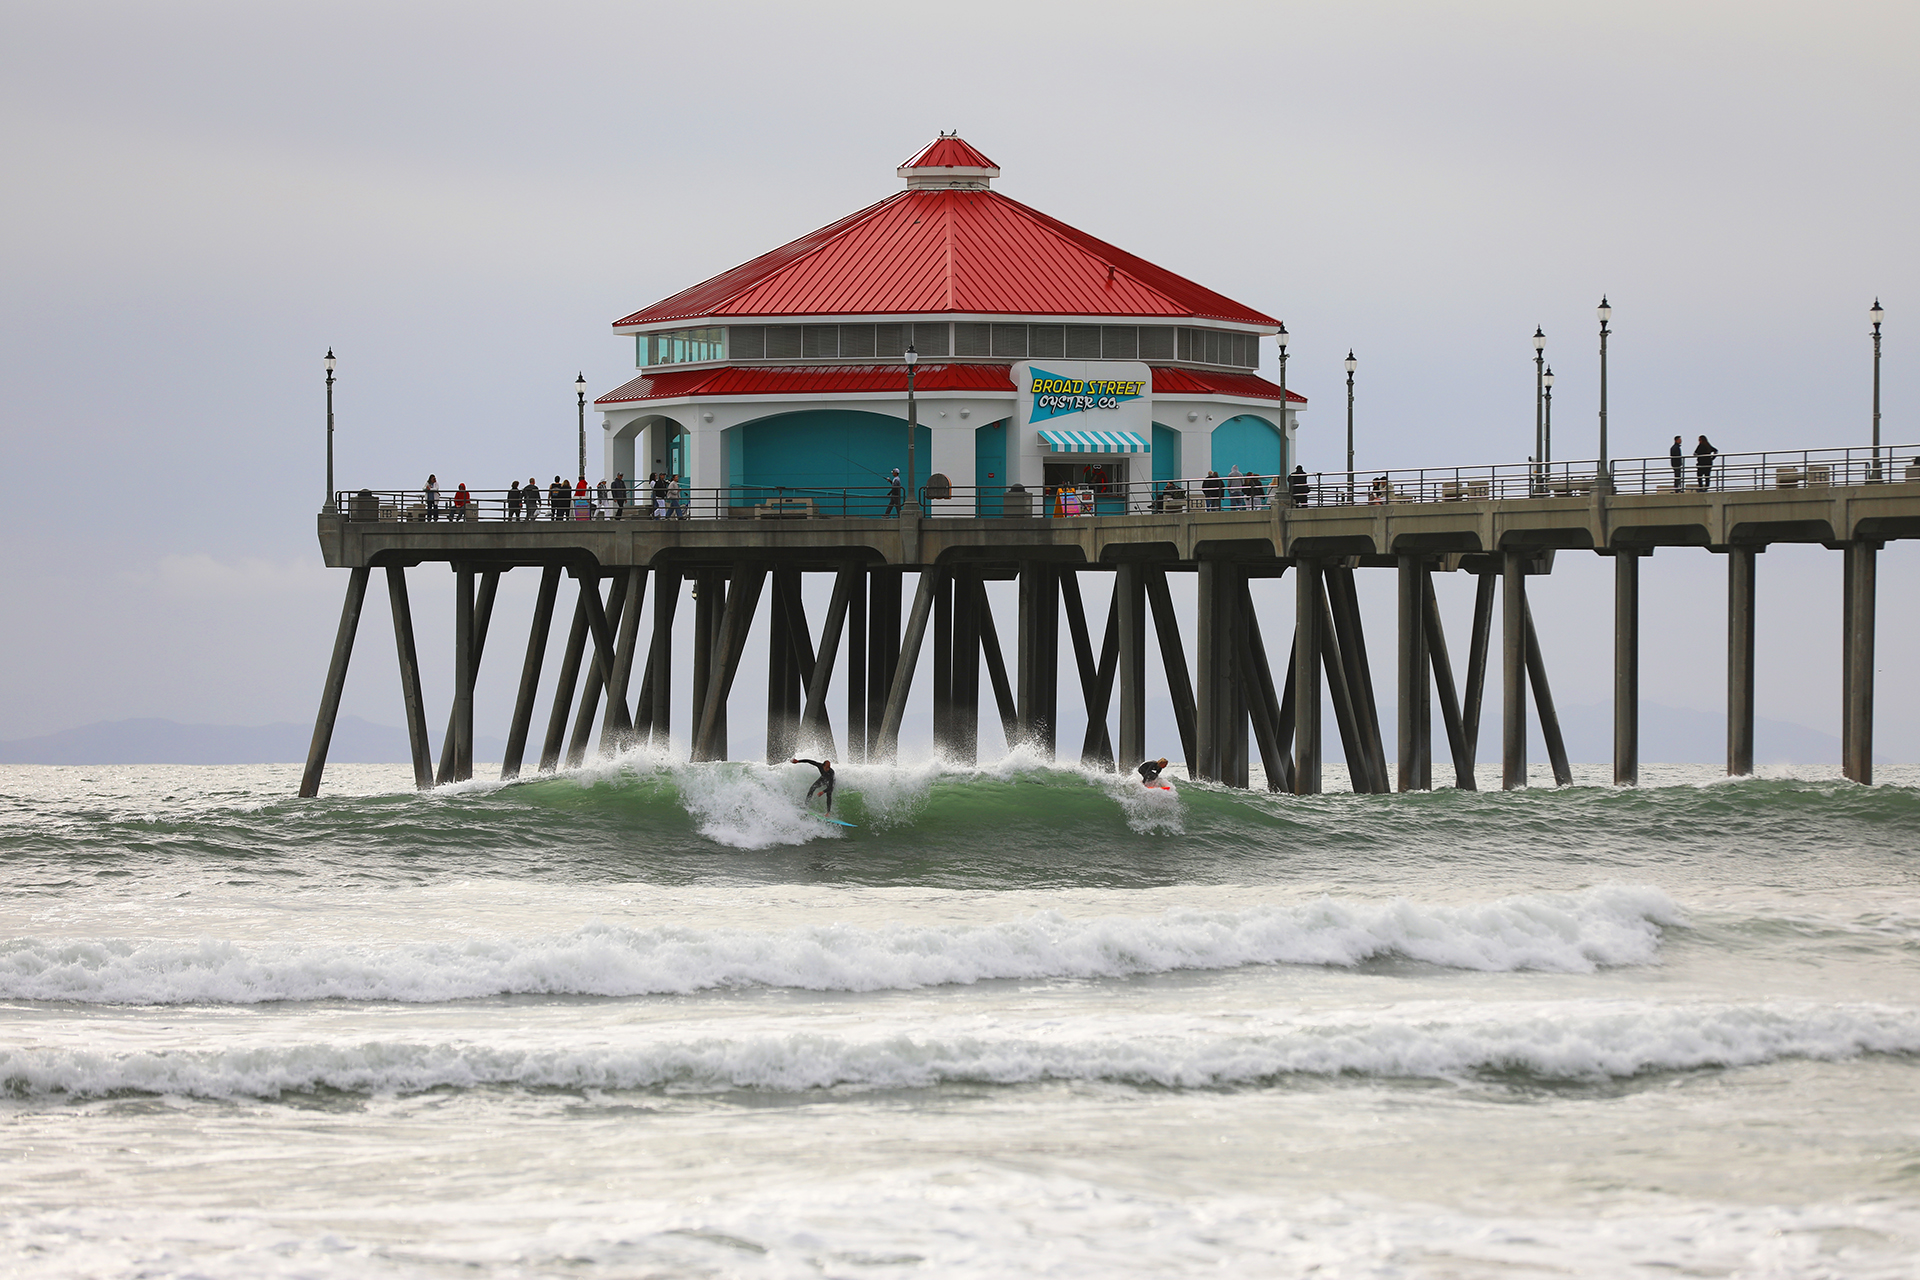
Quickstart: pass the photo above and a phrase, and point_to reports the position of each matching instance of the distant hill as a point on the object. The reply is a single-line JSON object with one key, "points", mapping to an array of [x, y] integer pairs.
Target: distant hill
{"points": [[154, 741]]}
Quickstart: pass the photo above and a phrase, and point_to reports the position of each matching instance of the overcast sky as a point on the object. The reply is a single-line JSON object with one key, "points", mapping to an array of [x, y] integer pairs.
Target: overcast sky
{"points": [[459, 199]]}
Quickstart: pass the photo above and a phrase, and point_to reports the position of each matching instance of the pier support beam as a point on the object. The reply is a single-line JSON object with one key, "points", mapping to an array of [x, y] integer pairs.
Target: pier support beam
{"points": [[1741, 562], [1130, 608], [1480, 642], [1626, 669], [883, 648], [896, 708], [1096, 673], [530, 672], [1350, 635], [1449, 699], [856, 662], [742, 600], [452, 752], [963, 727], [783, 702], [1513, 669], [460, 730], [1858, 604], [1173, 658], [568, 681], [601, 668], [409, 658], [1543, 699], [1414, 722], [1346, 716], [814, 728], [657, 689], [1220, 708], [1306, 669], [1272, 718], [1039, 655], [616, 728], [1003, 697], [709, 606], [336, 683], [943, 663]]}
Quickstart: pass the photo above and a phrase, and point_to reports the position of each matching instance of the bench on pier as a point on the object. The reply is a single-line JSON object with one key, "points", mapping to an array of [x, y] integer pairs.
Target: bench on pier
{"points": [[786, 509]]}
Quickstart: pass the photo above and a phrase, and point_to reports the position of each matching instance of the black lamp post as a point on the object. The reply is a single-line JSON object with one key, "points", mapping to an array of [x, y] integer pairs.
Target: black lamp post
{"points": [[913, 429], [1539, 388], [330, 508], [1604, 479], [580, 390], [1878, 315], [1281, 338], [1351, 364], [1546, 435]]}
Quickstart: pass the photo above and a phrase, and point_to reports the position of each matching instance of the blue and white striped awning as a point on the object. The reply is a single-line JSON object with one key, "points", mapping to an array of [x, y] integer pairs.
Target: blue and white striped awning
{"points": [[1094, 442]]}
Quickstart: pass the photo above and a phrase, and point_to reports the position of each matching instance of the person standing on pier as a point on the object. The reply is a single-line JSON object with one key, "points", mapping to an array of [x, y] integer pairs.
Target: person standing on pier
{"points": [[513, 501], [600, 506], [1297, 486], [1679, 457], [1211, 487], [676, 507], [660, 511], [1703, 461], [557, 499], [619, 495], [893, 493], [432, 495], [460, 500], [582, 504], [531, 496]]}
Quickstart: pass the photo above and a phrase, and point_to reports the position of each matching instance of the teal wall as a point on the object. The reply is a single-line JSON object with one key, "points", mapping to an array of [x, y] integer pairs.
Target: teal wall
{"points": [[990, 466], [1166, 454], [1250, 443], [822, 453]]}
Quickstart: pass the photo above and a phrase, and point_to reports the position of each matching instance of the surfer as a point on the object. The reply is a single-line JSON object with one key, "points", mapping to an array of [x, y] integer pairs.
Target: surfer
{"points": [[823, 785], [1150, 772]]}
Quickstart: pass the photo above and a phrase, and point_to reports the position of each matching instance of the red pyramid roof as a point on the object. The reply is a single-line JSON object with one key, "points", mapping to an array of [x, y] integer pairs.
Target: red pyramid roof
{"points": [[928, 251], [948, 152]]}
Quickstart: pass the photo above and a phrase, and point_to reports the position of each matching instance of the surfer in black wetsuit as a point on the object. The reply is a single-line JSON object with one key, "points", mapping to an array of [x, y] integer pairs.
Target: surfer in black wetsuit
{"points": [[1150, 772], [823, 785]]}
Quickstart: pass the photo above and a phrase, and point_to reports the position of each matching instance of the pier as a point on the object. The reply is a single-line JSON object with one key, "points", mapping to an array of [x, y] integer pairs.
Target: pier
{"points": [[1501, 525]]}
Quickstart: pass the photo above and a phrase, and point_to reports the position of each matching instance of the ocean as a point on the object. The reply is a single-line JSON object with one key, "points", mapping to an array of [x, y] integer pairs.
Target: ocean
{"points": [[649, 1019]]}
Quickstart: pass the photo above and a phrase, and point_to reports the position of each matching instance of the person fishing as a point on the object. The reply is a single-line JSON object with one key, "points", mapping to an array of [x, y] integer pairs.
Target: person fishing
{"points": [[823, 785], [1150, 772]]}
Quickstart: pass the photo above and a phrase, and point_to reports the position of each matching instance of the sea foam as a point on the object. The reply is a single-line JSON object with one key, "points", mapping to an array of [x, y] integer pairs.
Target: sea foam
{"points": [[1567, 933], [1537, 1040]]}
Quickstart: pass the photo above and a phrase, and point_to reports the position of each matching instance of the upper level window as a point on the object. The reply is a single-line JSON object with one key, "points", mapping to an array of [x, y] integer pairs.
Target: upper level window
{"points": [[681, 346]]}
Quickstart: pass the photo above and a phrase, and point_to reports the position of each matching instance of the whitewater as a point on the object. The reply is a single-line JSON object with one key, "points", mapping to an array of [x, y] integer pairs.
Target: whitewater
{"points": [[651, 1019]]}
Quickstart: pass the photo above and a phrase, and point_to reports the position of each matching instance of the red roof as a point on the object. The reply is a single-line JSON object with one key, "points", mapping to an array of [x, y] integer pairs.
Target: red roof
{"points": [[929, 251], [816, 379], [855, 379], [949, 152], [1205, 382]]}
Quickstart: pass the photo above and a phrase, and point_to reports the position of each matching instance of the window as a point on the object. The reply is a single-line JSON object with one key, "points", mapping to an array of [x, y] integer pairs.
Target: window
{"points": [[1045, 340], [783, 342], [1119, 342], [972, 340], [930, 340], [1083, 342], [1010, 341], [1156, 342], [683, 346], [856, 341], [820, 342]]}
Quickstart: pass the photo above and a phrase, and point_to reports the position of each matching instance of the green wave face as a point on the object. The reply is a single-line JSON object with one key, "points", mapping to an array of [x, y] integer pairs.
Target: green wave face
{"points": [[1016, 824]]}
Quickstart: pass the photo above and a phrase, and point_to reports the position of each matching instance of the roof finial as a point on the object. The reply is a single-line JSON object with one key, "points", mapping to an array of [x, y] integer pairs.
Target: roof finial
{"points": [[948, 162]]}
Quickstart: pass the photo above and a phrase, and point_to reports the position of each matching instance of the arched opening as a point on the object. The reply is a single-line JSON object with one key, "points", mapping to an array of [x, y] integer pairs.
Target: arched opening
{"points": [[1251, 443]]}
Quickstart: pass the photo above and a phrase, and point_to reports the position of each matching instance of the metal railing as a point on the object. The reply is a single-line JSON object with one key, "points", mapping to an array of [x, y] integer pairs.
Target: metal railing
{"points": [[1771, 470]]}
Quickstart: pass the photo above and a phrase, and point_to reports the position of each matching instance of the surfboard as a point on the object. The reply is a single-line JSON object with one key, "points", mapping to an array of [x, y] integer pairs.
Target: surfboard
{"points": [[836, 822]]}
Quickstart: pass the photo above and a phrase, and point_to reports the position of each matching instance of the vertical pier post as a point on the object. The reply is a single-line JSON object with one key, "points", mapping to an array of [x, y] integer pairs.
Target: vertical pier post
{"points": [[601, 667], [336, 683], [462, 672], [409, 658], [1626, 669], [964, 724], [1039, 655], [883, 647], [1351, 636], [781, 723], [857, 662], [1443, 685], [1543, 699], [943, 663], [1173, 658], [1129, 601], [1740, 635], [1003, 696], [814, 726], [1276, 741], [1513, 668], [896, 708], [1346, 717], [482, 618], [1209, 680], [709, 606], [1481, 640], [569, 678], [1306, 669], [530, 672], [735, 624], [616, 729], [1415, 715], [1858, 610], [666, 602]]}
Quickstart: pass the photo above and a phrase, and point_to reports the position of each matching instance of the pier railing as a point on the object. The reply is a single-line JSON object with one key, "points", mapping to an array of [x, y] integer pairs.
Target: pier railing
{"points": [[1772, 469]]}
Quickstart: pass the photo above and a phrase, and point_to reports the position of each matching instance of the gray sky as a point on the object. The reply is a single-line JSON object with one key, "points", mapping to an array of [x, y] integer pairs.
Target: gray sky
{"points": [[459, 198]]}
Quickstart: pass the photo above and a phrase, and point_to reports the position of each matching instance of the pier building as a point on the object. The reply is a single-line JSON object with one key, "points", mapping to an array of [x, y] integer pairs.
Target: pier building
{"points": [[1045, 358]]}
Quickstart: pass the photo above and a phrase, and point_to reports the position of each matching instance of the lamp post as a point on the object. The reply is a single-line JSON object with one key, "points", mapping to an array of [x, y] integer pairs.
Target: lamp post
{"points": [[913, 429], [1877, 315], [1539, 387], [1546, 435], [330, 508], [1281, 338], [580, 391], [1351, 362], [1605, 478]]}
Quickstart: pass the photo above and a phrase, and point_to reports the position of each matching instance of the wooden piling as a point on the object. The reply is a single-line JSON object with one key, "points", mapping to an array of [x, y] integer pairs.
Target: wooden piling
{"points": [[616, 728], [409, 659], [735, 624], [1173, 659], [659, 682], [1860, 570], [1457, 747], [336, 682], [537, 635], [857, 662], [1414, 723], [1003, 696], [1129, 606], [1543, 700], [1351, 636], [1626, 669], [1513, 669], [896, 708], [1306, 686], [601, 666], [1741, 562]]}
